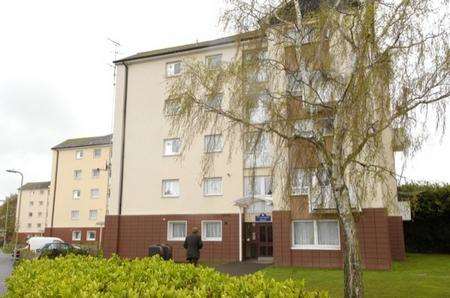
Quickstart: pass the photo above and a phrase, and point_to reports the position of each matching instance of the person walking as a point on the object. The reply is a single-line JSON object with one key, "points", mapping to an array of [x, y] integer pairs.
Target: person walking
{"points": [[193, 243]]}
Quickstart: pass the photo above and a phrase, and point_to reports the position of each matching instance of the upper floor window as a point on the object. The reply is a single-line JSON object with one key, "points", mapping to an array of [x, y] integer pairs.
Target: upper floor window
{"points": [[173, 68], [95, 193], [97, 153], [39, 214], [171, 187], [79, 154], [213, 61], [258, 186], [215, 101], [41, 203], [315, 234], [257, 60], [39, 225], [213, 143], [29, 225], [301, 182], [172, 146], [93, 214], [30, 214], [212, 186], [76, 194], [31, 203], [304, 128], [95, 173], [77, 174], [257, 151], [260, 114], [75, 214], [41, 192], [172, 107]]}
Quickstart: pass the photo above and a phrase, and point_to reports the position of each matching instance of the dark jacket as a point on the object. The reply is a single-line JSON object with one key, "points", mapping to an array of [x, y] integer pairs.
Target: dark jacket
{"points": [[193, 243]]}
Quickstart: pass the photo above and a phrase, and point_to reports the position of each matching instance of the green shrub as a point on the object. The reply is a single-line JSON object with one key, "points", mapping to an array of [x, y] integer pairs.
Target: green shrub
{"points": [[87, 276]]}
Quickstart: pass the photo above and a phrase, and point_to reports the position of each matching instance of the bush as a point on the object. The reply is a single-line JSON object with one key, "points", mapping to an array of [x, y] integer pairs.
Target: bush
{"points": [[87, 276], [428, 231]]}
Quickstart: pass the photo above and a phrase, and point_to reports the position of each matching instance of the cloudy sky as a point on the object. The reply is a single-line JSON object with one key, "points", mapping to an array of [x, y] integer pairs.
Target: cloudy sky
{"points": [[56, 78]]}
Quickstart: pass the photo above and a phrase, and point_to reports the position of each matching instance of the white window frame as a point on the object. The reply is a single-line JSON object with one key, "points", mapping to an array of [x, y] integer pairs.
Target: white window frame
{"points": [[168, 64], [96, 214], [90, 239], [76, 197], [204, 238], [172, 153], [96, 170], [171, 110], [98, 193], [212, 194], [208, 65], [39, 225], [215, 102], [75, 174], [301, 191], [71, 215], [94, 153], [79, 154], [251, 192], [170, 196], [76, 238], [41, 203], [315, 246], [169, 230], [206, 142]]}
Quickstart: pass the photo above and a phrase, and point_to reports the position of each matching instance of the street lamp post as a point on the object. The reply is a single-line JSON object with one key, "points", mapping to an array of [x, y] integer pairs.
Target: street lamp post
{"points": [[6, 222], [18, 210]]}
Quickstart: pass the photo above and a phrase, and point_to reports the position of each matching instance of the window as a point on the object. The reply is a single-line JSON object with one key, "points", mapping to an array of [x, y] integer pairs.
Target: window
{"points": [[91, 235], [77, 174], [213, 143], [213, 61], [39, 225], [97, 153], [76, 235], [301, 182], [30, 214], [79, 154], [31, 203], [257, 60], [41, 203], [95, 173], [215, 102], [315, 234], [304, 128], [212, 230], [93, 214], [41, 192], [29, 225], [176, 230], [95, 193], [76, 194], [171, 187], [259, 113], [173, 68], [212, 186], [172, 147], [258, 186], [257, 151], [172, 107], [39, 214], [75, 215]]}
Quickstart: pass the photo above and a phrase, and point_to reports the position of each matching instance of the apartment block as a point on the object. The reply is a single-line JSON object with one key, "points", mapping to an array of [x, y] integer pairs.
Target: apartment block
{"points": [[79, 189], [159, 193], [31, 214]]}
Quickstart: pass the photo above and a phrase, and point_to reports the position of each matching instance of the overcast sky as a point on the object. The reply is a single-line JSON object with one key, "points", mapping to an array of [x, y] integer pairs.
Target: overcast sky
{"points": [[56, 82]]}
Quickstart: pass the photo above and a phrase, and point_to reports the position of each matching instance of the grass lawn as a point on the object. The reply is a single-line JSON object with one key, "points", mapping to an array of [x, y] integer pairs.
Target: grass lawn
{"points": [[419, 276]]}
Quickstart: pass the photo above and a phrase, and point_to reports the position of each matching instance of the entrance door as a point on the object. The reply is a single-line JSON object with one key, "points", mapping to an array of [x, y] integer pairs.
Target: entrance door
{"points": [[264, 239]]}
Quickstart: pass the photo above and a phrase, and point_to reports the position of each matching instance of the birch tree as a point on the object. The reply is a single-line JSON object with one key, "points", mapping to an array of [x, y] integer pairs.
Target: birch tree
{"points": [[331, 84]]}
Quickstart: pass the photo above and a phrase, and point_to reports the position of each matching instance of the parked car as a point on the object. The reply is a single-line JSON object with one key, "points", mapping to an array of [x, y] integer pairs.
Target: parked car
{"points": [[35, 244], [57, 249]]}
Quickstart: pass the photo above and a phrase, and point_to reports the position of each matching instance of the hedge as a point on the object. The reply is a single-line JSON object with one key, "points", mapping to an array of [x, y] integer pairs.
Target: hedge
{"points": [[87, 276], [428, 231]]}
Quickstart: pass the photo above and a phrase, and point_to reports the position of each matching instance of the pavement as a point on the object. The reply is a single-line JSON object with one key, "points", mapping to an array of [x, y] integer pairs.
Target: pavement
{"points": [[6, 263], [241, 268]]}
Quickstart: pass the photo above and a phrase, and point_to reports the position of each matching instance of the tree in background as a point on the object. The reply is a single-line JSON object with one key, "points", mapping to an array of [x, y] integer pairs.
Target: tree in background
{"points": [[11, 201], [323, 88]]}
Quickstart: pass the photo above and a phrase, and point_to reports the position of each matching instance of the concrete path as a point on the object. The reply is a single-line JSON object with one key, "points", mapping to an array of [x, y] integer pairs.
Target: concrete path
{"points": [[5, 270], [240, 268]]}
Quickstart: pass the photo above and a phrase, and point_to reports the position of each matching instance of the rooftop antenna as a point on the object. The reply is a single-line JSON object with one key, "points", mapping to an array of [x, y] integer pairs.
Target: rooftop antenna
{"points": [[116, 46]]}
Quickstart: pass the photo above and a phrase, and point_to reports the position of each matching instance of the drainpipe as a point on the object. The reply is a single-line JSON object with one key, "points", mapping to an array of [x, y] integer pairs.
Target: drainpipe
{"points": [[54, 193], [240, 234], [122, 158]]}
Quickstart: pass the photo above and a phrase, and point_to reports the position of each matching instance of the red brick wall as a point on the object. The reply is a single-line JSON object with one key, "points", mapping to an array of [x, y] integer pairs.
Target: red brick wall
{"points": [[373, 233], [397, 238], [22, 237], [66, 234], [138, 232]]}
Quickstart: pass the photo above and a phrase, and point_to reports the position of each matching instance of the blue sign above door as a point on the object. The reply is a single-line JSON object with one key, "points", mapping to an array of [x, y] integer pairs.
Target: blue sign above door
{"points": [[263, 218]]}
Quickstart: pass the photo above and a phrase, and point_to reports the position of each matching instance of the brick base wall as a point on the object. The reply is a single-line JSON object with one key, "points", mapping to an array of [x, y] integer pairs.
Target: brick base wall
{"points": [[131, 235], [373, 233], [397, 238], [66, 234]]}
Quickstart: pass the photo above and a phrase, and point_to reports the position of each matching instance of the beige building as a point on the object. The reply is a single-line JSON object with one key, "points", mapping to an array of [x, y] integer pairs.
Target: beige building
{"points": [[32, 213], [158, 196], [79, 189]]}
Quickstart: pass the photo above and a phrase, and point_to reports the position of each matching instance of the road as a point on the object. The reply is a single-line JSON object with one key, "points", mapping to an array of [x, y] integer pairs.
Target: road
{"points": [[5, 270]]}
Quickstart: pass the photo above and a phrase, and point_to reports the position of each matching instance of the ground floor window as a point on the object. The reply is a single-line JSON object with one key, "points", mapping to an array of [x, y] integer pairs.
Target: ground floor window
{"points": [[176, 230], [315, 234], [76, 235], [91, 235], [212, 230]]}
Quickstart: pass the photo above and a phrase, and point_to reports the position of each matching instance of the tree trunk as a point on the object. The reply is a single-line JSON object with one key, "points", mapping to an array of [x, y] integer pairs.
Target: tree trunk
{"points": [[353, 282]]}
